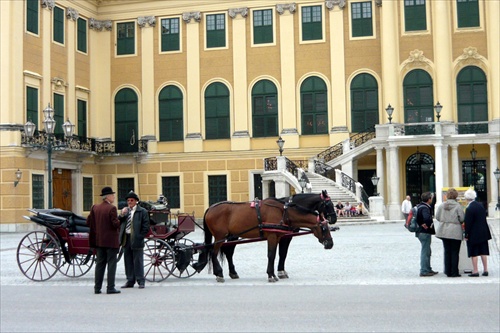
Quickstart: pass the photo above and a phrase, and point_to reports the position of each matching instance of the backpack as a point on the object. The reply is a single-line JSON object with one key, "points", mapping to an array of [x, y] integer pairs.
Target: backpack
{"points": [[411, 222]]}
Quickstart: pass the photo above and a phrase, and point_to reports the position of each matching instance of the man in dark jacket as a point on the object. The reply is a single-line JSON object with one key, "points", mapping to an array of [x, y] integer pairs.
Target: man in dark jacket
{"points": [[134, 227], [426, 223], [104, 227]]}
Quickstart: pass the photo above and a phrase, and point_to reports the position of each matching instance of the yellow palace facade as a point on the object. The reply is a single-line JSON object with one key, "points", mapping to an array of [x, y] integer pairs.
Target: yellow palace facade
{"points": [[188, 99]]}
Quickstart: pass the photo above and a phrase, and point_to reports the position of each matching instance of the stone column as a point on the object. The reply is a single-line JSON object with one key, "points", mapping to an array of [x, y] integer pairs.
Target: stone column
{"points": [[148, 112], [438, 171], [492, 26], [394, 195], [493, 181], [455, 166], [46, 35], [72, 16], [381, 173]]}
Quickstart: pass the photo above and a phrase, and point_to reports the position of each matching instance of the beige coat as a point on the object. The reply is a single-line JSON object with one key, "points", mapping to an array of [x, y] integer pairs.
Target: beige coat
{"points": [[450, 214]]}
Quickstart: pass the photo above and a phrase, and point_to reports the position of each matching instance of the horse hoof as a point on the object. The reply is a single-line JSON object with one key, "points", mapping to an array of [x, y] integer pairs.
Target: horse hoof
{"points": [[282, 275], [220, 279], [234, 275], [271, 279]]}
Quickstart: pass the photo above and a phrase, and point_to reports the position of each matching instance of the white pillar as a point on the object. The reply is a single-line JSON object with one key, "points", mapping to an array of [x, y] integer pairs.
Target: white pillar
{"points": [[148, 112], [493, 181], [394, 195], [381, 171], [455, 167], [438, 171]]}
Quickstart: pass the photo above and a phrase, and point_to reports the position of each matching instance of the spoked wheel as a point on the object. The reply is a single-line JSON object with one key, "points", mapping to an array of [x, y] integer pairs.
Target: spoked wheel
{"points": [[185, 245], [39, 256], [78, 265], [159, 260]]}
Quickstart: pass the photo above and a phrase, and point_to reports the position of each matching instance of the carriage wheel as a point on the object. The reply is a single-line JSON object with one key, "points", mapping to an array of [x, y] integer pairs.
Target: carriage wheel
{"points": [[39, 256], [159, 260], [78, 265], [189, 271]]}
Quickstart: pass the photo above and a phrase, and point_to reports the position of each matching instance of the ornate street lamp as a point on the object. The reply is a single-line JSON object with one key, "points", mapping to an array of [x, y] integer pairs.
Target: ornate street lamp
{"points": [[389, 111], [19, 174], [303, 182], [497, 176], [280, 143], [438, 107], [375, 180]]}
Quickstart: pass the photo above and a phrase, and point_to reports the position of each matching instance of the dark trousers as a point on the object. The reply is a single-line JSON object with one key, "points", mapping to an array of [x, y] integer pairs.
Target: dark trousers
{"points": [[105, 256], [134, 263], [451, 256]]}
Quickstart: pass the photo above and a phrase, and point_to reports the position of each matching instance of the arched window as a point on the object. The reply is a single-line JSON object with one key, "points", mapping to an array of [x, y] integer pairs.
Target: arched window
{"points": [[217, 112], [314, 106], [472, 100], [126, 135], [420, 176], [170, 113], [264, 109], [364, 103], [418, 101]]}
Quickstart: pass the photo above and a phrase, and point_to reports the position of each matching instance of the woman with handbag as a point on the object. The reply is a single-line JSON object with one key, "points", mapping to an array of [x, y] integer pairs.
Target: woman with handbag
{"points": [[450, 214]]}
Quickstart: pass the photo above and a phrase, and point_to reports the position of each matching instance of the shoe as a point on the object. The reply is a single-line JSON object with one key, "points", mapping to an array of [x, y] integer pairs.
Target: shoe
{"points": [[97, 292], [141, 286], [427, 274], [128, 285], [485, 274], [455, 275], [113, 291], [434, 273], [474, 275]]}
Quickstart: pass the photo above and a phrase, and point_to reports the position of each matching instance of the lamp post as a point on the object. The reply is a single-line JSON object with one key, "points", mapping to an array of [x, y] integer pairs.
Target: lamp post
{"points": [[438, 107], [497, 176], [375, 180], [302, 182], [473, 154], [280, 143], [389, 111], [49, 124]]}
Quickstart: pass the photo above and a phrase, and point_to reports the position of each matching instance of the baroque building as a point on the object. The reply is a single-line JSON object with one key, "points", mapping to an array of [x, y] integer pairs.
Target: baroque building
{"points": [[188, 99]]}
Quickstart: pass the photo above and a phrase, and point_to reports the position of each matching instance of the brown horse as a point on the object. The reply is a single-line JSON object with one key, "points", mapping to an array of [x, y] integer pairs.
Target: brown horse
{"points": [[268, 219]]}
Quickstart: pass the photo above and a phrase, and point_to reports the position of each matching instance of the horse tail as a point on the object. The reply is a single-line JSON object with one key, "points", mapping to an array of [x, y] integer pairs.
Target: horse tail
{"points": [[206, 252], [208, 233]]}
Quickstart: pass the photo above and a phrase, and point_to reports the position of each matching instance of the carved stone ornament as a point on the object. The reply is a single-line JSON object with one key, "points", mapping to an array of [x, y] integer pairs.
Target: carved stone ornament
{"points": [[416, 55], [143, 20], [235, 11], [378, 3], [332, 3], [417, 60], [99, 25], [291, 7], [72, 14], [470, 53], [191, 15], [49, 4]]}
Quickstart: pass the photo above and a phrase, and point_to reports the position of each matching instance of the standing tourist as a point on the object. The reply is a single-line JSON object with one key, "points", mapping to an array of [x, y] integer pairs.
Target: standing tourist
{"points": [[477, 233], [424, 235], [450, 214], [104, 230], [406, 207]]}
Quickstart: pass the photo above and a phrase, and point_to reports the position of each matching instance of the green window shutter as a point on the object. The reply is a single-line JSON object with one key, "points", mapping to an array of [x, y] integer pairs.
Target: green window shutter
{"points": [[217, 189], [82, 118], [264, 109], [263, 26], [59, 114], [171, 114], [38, 191], [472, 99], [418, 101], [58, 25], [124, 186], [87, 194], [32, 7], [125, 43], [217, 112], [170, 37], [126, 121], [171, 190], [364, 103], [415, 15], [314, 106], [216, 31], [82, 35], [468, 13], [361, 19], [311, 23], [32, 105]]}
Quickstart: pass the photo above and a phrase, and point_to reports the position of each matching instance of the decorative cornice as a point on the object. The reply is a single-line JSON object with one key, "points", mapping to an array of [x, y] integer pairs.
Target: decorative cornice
{"points": [[241, 134], [332, 3], [291, 7], [32, 74], [143, 20], [49, 4], [193, 136], [235, 11], [99, 25], [417, 60], [191, 15], [289, 131], [72, 14]]}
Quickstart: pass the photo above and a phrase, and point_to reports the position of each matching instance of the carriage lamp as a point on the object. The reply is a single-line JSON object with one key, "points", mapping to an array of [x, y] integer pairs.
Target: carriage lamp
{"points": [[438, 107], [280, 143], [389, 111], [497, 176], [49, 124], [19, 174], [375, 180], [303, 182]]}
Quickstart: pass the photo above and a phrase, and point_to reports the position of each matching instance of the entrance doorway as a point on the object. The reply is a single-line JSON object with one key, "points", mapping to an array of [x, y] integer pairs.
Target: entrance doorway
{"points": [[474, 175], [62, 189], [420, 176]]}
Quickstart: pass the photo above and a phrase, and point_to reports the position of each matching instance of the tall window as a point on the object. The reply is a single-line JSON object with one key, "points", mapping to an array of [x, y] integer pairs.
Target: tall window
{"points": [[264, 109], [59, 114], [38, 191], [82, 35], [472, 100], [216, 30], [58, 25], [415, 15], [217, 112], [418, 101], [125, 40], [364, 103], [170, 187], [82, 118], [311, 23], [125, 185], [126, 121], [87, 193], [170, 36], [263, 26], [361, 19], [32, 104], [171, 114], [217, 189], [32, 8], [468, 13], [314, 106]]}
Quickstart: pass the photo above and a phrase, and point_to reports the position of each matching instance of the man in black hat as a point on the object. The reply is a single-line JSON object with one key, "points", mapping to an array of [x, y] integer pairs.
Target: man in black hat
{"points": [[134, 227], [103, 237]]}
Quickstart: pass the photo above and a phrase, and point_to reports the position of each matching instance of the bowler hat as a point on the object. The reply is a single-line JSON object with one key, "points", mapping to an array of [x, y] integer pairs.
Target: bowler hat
{"points": [[106, 190], [132, 195]]}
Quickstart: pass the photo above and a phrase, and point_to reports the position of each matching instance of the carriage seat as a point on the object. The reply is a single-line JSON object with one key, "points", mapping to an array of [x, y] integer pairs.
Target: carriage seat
{"points": [[78, 224]]}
